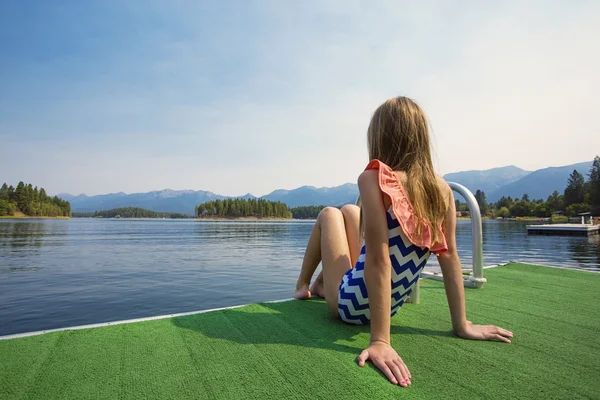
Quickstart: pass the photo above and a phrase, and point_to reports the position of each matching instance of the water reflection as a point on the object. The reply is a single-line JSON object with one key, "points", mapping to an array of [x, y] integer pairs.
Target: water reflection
{"points": [[586, 251], [18, 269], [29, 233], [505, 241], [251, 230]]}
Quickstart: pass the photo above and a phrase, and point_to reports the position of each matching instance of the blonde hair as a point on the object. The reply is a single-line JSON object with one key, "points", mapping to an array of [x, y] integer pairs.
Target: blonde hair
{"points": [[398, 136]]}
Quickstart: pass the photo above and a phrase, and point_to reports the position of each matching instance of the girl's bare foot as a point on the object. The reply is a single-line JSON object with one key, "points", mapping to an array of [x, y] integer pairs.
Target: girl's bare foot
{"points": [[302, 292], [317, 287]]}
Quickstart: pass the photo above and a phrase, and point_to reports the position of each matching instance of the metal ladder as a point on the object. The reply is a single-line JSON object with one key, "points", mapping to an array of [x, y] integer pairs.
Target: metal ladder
{"points": [[475, 278]]}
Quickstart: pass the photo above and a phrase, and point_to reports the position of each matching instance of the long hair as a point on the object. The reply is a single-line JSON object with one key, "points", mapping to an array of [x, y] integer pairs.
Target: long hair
{"points": [[398, 136]]}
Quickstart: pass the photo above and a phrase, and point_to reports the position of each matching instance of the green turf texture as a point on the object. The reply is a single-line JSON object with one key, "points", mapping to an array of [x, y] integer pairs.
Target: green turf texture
{"points": [[295, 350]]}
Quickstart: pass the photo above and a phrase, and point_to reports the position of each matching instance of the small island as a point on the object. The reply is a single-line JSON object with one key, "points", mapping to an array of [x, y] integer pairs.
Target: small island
{"points": [[222, 209], [130, 212], [26, 201], [306, 212], [243, 209]]}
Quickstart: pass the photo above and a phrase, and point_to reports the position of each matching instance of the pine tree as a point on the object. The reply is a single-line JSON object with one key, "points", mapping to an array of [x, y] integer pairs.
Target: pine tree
{"points": [[20, 195], [481, 200], [575, 190], [4, 192], [11, 194], [555, 201], [594, 185]]}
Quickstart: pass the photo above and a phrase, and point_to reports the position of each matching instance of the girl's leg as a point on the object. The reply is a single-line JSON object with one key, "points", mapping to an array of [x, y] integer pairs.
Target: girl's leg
{"points": [[333, 252], [312, 258], [316, 289], [352, 223], [351, 214]]}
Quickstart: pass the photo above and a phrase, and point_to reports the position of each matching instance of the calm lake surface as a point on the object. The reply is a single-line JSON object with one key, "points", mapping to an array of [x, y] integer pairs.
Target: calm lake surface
{"points": [[59, 273]]}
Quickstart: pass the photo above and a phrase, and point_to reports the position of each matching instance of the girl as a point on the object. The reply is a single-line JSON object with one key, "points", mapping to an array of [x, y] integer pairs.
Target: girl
{"points": [[406, 213]]}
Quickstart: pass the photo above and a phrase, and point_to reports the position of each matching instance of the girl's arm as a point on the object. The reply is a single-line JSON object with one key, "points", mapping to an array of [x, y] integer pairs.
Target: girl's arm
{"points": [[378, 281], [455, 292]]}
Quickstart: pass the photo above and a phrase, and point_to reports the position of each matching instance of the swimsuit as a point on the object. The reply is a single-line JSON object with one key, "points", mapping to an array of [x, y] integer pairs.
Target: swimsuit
{"points": [[408, 253]]}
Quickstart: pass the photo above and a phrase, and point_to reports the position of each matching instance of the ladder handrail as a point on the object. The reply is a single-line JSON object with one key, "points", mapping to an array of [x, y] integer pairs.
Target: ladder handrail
{"points": [[476, 278]]}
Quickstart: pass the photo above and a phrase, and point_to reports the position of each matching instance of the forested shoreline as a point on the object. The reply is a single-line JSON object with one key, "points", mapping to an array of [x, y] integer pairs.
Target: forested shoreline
{"points": [[243, 208], [581, 195], [129, 212], [29, 201], [306, 212]]}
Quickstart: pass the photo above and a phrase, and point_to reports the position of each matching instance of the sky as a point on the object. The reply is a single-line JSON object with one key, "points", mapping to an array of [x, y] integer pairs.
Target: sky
{"points": [[252, 96]]}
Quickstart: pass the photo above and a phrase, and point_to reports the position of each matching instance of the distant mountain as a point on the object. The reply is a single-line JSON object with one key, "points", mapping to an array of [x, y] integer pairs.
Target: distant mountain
{"points": [[541, 183], [312, 196], [487, 180], [497, 182], [184, 201], [176, 201]]}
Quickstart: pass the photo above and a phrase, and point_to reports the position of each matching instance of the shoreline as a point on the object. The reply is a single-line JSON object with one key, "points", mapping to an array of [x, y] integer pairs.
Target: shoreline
{"points": [[29, 217], [195, 218], [242, 219], [520, 219]]}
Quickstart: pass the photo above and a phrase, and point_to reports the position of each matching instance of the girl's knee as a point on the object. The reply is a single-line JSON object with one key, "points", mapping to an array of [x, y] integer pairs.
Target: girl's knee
{"points": [[350, 209], [329, 212]]}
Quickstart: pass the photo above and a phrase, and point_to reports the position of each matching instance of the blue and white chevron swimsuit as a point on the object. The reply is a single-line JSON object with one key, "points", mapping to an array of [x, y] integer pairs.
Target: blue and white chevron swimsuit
{"points": [[408, 261]]}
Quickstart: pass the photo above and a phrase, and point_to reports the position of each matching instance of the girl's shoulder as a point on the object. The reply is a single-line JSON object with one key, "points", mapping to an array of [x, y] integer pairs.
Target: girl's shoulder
{"points": [[395, 180], [396, 200], [390, 182], [444, 187]]}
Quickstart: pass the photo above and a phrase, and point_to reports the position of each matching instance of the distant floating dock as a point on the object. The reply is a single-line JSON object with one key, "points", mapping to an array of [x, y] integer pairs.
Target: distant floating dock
{"points": [[563, 229]]}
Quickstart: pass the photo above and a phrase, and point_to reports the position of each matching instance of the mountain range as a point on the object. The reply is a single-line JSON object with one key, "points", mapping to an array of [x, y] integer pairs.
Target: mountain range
{"points": [[497, 182]]}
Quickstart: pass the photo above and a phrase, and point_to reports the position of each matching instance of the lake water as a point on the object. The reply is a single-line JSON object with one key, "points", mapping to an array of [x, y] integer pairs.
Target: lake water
{"points": [[58, 273]]}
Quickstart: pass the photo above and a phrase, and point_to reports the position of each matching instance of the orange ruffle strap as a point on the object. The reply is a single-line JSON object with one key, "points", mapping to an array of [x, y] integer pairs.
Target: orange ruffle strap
{"points": [[403, 209]]}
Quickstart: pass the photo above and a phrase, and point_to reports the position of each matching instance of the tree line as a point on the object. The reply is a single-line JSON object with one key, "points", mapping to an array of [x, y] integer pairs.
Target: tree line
{"points": [[129, 212], [306, 212], [31, 201], [235, 208], [579, 196]]}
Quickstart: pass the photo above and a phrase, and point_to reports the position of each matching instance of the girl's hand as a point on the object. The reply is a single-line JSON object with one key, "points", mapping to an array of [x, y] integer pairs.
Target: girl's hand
{"points": [[485, 332], [384, 357]]}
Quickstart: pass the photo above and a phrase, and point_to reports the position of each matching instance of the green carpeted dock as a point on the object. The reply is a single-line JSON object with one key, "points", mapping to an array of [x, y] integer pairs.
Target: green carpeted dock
{"points": [[294, 350]]}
